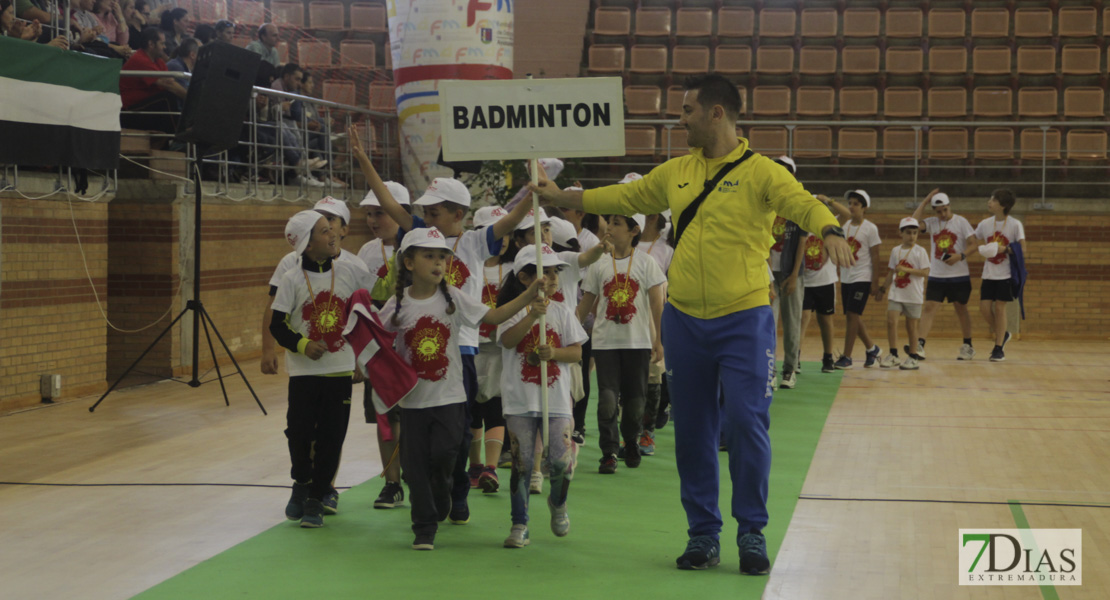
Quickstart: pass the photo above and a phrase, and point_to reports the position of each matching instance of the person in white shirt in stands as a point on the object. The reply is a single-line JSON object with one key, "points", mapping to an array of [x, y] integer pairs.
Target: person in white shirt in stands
{"points": [[997, 233], [266, 44], [952, 241], [859, 281], [429, 316], [909, 266]]}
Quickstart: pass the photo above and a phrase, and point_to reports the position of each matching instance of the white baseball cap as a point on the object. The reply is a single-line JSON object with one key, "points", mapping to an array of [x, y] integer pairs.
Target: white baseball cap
{"points": [[552, 166], [424, 237], [299, 229], [488, 215], [908, 222], [445, 189], [861, 194], [562, 232], [334, 207], [641, 220], [399, 192], [630, 177], [527, 256], [788, 163], [939, 199], [529, 221]]}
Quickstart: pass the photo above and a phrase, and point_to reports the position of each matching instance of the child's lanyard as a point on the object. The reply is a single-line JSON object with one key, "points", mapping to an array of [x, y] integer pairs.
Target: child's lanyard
{"points": [[648, 250], [312, 295], [851, 235], [628, 271], [903, 258], [385, 259], [485, 283]]}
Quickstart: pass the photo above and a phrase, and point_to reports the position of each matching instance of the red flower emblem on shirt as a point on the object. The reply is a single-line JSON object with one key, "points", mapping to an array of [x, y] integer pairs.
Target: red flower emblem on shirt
{"points": [[326, 316], [944, 243], [457, 273], [427, 344], [558, 296], [778, 228], [531, 373], [854, 243], [901, 277], [489, 298], [815, 253], [621, 295], [1003, 243]]}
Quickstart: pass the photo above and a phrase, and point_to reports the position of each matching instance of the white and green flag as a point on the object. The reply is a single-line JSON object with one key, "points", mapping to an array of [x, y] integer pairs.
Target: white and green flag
{"points": [[58, 108]]}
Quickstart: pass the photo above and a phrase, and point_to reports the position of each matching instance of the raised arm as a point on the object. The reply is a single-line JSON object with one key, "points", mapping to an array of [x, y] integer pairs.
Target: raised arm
{"points": [[836, 207], [594, 254], [505, 225], [920, 212], [388, 202], [497, 316]]}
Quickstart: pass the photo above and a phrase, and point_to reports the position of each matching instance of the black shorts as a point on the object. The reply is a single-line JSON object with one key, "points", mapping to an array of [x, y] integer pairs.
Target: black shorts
{"points": [[999, 290], [821, 299], [939, 290], [487, 415], [854, 296]]}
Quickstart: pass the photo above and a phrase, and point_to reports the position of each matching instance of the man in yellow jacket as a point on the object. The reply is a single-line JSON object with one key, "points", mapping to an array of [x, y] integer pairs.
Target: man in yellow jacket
{"points": [[718, 328]]}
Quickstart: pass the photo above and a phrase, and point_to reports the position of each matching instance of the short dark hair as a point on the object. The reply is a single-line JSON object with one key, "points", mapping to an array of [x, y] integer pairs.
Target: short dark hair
{"points": [[223, 24], [1006, 198], [172, 15], [714, 89], [186, 47], [204, 33], [148, 36], [140, 5], [290, 68]]}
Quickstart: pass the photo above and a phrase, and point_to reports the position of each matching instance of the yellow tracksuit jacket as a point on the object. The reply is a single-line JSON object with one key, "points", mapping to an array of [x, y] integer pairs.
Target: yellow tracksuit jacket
{"points": [[721, 268]]}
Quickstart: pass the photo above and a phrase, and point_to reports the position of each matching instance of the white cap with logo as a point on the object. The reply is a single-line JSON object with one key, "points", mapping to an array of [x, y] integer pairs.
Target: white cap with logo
{"points": [[445, 189], [488, 215], [334, 207], [630, 177], [424, 237], [299, 229], [861, 194], [527, 256], [399, 192], [562, 232], [529, 221], [908, 222], [939, 199]]}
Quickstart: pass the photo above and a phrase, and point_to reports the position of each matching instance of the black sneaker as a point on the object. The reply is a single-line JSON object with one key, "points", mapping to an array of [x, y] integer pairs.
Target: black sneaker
{"points": [[662, 418], [392, 495], [608, 464], [701, 552], [331, 503], [872, 356], [294, 510], [460, 514], [620, 453], [1005, 339], [313, 514], [632, 457], [827, 364], [753, 554], [997, 355], [920, 355], [578, 437], [424, 541]]}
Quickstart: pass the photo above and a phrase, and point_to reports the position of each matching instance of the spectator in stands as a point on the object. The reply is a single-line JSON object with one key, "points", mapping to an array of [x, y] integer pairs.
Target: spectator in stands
{"points": [[137, 14], [150, 94], [290, 148], [184, 58], [290, 81], [10, 26], [33, 10], [114, 25], [225, 31], [308, 115], [86, 28], [266, 44], [175, 26], [204, 33]]}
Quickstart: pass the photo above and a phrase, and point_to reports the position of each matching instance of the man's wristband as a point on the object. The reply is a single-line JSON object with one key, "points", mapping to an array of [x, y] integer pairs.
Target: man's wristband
{"points": [[833, 230]]}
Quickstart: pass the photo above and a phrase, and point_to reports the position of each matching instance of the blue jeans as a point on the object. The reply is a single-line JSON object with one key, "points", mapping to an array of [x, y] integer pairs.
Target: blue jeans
{"points": [[722, 372], [523, 432]]}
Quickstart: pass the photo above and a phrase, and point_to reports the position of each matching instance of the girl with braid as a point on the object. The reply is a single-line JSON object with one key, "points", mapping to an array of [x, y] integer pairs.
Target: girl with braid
{"points": [[428, 315]]}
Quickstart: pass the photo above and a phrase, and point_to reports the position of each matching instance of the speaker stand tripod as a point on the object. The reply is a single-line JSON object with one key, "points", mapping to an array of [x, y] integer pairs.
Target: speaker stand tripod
{"points": [[200, 315]]}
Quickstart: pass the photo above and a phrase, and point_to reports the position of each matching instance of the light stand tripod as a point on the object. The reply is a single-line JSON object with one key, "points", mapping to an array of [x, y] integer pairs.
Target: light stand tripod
{"points": [[200, 315]]}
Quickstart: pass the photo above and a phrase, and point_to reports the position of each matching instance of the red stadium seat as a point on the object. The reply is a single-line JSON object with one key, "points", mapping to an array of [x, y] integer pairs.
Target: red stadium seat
{"points": [[370, 17], [323, 14]]}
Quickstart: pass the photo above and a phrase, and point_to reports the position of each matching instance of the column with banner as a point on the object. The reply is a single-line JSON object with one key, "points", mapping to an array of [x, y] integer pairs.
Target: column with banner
{"points": [[435, 41]]}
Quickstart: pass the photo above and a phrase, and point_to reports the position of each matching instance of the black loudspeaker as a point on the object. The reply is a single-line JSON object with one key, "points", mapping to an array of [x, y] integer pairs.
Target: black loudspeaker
{"points": [[219, 96]]}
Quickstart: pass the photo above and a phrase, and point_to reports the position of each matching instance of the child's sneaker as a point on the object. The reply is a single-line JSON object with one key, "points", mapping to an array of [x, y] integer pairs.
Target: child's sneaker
{"points": [[1005, 339], [872, 357], [632, 456], [560, 520], [701, 552], [789, 380], [910, 364], [578, 437], [535, 486], [474, 473], [608, 464], [890, 361], [647, 443], [518, 537], [424, 541], [460, 514], [294, 510], [392, 495], [331, 503], [920, 350], [997, 355], [966, 352], [753, 554], [488, 480], [827, 365], [843, 363], [313, 514]]}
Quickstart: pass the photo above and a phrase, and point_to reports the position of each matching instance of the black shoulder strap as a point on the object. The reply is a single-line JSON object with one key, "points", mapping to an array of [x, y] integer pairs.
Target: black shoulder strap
{"points": [[688, 214]]}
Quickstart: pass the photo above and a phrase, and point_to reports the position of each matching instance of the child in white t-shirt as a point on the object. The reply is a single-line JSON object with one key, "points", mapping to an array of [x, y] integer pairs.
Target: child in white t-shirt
{"points": [[820, 296], [861, 280], [522, 350], [429, 316], [308, 316], [653, 243], [629, 293], [997, 233], [909, 266]]}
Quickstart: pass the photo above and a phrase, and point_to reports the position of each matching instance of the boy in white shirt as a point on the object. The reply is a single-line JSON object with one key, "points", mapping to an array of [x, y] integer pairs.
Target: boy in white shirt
{"points": [[859, 281], [953, 240], [909, 266], [653, 242], [997, 233], [820, 296]]}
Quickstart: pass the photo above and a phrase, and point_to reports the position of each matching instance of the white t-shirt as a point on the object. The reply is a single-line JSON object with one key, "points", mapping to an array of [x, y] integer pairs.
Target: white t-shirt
{"points": [[491, 286], [464, 272], [587, 240], [819, 270], [861, 239], [569, 278], [293, 261], [520, 381], [905, 287], [376, 256], [660, 250], [319, 316], [778, 230], [1005, 233], [948, 236], [428, 339], [624, 319]]}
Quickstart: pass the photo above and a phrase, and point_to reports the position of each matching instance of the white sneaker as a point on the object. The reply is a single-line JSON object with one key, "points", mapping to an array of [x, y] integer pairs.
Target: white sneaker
{"points": [[789, 380], [890, 361], [910, 364], [318, 163], [309, 180], [966, 352], [560, 520], [518, 537], [536, 485]]}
